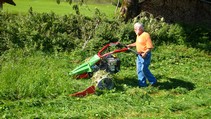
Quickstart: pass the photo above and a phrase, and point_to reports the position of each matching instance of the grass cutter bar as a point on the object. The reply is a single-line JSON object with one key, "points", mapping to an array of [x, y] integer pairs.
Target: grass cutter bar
{"points": [[99, 67]]}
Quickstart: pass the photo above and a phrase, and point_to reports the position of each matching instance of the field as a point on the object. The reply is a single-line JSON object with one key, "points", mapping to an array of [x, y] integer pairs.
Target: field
{"points": [[22, 6], [36, 56], [38, 86]]}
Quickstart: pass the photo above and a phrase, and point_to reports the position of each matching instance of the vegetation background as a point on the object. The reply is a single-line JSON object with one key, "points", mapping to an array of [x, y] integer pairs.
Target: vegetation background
{"points": [[41, 42]]}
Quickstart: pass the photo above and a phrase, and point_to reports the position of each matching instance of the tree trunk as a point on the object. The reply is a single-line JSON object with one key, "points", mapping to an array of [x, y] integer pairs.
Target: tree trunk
{"points": [[129, 9]]}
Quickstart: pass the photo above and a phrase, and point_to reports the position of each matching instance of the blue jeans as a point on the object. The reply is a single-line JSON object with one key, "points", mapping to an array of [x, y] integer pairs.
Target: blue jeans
{"points": [[143, 71]]}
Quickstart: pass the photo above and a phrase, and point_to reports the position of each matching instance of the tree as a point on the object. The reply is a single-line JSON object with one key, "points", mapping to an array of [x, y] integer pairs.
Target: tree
{"points": [[6, 1], [129, 9], [186, 11]]}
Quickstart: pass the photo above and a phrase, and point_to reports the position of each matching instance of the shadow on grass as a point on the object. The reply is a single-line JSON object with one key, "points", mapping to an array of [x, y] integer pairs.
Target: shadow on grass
{"points": [[173, 83], [167, 84], [131, 82]]}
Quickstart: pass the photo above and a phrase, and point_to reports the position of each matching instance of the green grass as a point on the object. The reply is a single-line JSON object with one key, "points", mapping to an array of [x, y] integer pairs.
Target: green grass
{"points": [[37, 85], [47, 6]]}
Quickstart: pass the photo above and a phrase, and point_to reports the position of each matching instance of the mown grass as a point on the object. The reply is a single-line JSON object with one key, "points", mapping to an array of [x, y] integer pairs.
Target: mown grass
{"points": [[48, 6], [37, 85]]}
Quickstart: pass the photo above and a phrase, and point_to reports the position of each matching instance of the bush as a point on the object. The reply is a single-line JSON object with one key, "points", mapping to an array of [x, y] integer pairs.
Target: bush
{"points": [[49, 32]]}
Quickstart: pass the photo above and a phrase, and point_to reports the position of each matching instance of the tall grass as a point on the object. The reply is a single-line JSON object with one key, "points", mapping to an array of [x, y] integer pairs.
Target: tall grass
{"points": [[30, 76], [37, 85]]}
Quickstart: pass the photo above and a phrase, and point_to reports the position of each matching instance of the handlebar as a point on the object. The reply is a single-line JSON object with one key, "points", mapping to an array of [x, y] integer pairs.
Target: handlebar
{"points": [[118, 44]]}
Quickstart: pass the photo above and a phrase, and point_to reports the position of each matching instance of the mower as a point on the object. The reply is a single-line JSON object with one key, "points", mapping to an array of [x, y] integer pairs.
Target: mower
{"points": [[99, 68]]}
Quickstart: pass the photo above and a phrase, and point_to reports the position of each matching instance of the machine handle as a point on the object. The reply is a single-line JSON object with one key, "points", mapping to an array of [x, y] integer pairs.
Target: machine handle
{"points": [[112, 52]]}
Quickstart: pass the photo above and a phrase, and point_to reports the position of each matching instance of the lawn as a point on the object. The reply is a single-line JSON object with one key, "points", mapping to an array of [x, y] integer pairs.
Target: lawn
{"points": [[47, 6]]}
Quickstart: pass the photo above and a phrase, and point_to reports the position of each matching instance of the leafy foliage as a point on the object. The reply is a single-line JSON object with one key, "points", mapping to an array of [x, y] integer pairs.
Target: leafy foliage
{"points": [[50, 32]]}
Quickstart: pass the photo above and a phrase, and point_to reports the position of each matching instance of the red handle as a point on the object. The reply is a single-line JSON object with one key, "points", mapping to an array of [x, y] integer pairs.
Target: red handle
{"points": [[112, 52]]}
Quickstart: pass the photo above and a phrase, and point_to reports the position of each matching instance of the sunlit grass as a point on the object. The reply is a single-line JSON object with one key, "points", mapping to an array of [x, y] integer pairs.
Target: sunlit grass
{"points": [[38, 84], [47, 6]]}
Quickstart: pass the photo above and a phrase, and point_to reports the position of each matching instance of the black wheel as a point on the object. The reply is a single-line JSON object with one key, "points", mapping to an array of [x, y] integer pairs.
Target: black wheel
{"points": [[105, 83]]}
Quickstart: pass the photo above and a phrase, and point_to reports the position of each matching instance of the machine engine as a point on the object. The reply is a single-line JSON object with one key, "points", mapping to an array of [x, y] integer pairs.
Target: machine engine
{"points": [[110, 64]]}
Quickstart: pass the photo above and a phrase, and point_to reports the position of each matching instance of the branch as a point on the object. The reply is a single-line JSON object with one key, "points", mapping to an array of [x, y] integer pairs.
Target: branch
{"points": [[88, 39], [117, 6]]}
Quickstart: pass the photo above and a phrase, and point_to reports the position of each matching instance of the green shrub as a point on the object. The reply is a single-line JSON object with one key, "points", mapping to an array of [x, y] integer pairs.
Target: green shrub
{"points": [[52, 33]]}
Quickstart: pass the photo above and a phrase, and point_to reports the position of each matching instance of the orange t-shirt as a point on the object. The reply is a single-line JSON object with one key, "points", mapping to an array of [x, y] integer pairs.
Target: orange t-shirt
{"points": [[143, 42]]}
